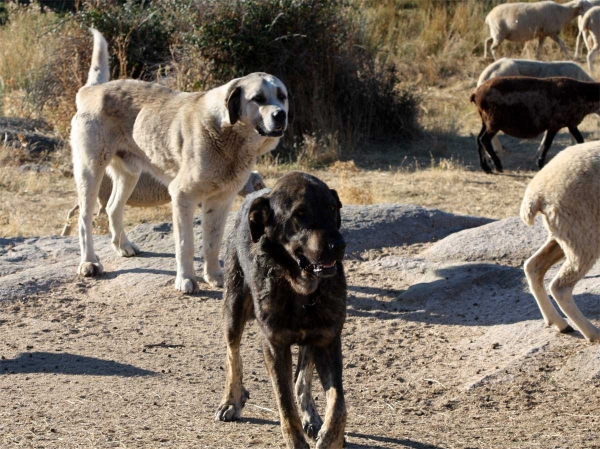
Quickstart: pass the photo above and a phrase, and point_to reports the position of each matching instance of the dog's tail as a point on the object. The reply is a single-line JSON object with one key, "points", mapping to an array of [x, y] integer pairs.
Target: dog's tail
{"points": [[99, 70]]}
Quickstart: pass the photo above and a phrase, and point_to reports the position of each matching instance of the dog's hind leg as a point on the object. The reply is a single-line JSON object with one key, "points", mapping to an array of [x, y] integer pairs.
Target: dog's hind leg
{"points": [[124, 180], [279, 365], [89, 163], [237, 309], [328, 361], [214, 214], [311, 421]]}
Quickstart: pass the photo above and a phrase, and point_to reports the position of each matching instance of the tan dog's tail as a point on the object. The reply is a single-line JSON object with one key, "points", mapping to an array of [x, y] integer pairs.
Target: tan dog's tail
{"points": [[530, 206], [99, 70]]}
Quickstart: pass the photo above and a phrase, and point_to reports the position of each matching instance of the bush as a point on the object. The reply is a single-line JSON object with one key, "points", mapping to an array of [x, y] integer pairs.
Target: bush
{"points": [[340, 93], [314, 46]]}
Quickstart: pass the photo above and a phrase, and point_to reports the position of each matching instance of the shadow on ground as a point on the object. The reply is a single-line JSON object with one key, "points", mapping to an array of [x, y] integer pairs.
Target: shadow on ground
{"points": [[465, 294], [65, 363]]}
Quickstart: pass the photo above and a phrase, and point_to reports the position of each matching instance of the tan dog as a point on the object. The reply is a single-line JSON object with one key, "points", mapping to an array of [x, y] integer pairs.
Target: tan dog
{"points": [[201, 145]]}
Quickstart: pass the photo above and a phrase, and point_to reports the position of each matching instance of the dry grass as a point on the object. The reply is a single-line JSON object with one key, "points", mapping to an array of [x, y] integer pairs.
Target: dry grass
{"points": [[438, 170]]}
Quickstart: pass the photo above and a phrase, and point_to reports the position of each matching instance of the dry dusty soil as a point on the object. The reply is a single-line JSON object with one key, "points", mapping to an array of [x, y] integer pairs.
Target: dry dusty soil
{"points": [[443, 345]]}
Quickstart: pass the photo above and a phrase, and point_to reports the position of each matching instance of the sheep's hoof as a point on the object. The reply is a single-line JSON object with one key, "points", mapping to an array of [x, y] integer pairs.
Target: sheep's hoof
{"points": [[567, 330], [486, 169]]}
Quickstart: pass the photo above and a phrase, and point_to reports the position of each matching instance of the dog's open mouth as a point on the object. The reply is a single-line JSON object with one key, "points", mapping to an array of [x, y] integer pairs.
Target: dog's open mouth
{"points": [[323, 270], [277, 132]]}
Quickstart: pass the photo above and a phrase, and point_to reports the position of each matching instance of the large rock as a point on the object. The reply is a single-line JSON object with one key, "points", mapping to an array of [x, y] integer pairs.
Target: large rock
{"points": [[386, 225], [508, 241]]}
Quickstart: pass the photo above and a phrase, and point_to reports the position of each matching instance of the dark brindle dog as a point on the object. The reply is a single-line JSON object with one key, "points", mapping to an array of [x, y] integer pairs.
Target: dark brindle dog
{"points": [[284, 268]]}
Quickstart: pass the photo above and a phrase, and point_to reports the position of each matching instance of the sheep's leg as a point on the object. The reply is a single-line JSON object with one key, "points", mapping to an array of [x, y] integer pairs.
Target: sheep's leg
{"points": [[67, 229], [544, 147], [586, 37], [486, 44], [592, 53], [495, 45], [556, 38], [576, 134], [573, 270], [482, 162], [539, 48], [486, 140], [577, 41], [535, 268], [497, 146]]}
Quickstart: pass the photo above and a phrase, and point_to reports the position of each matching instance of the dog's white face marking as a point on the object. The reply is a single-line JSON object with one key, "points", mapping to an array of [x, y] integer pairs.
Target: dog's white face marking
{"points": [[263, 104]]}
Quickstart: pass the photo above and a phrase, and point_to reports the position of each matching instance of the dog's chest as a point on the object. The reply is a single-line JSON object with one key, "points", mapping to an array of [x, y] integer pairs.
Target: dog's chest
{"points": [[288, 317]]}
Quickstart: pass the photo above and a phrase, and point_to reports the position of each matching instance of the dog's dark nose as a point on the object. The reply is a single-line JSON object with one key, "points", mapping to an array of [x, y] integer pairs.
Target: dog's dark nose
{"points": [[279, 116], [338, 245]]}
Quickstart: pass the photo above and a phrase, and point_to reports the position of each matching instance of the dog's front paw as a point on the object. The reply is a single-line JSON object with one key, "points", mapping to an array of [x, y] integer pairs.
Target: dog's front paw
{"points": [[90, 269], [186, 285], [231, 408], [326, 440], [228, 411], [214, 278], [128, 249]]}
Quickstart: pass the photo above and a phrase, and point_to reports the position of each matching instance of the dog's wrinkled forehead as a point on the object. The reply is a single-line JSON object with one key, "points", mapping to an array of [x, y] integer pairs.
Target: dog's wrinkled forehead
{"points": [[263, 83]]}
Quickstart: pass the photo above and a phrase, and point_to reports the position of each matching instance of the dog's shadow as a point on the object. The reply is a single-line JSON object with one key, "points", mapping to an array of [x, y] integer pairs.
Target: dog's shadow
{"points": [[65, 363], [404, 443], [400, 443]]}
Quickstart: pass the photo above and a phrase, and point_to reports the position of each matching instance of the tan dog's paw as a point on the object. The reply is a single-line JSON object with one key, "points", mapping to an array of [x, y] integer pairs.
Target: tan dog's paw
{"points": [[128, 249], [214, 279], [186, 285], [90, 269]]}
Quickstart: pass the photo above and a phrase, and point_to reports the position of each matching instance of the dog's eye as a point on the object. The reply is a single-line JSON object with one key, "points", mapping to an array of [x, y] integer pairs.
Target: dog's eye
{"points": [[301, 213], [332, 208], [259, 99], [281, 97]]}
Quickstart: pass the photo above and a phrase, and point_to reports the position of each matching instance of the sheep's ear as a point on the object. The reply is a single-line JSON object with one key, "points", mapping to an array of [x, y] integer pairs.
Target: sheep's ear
{"points": [[258, 217], [339, 206], [233, 104]]}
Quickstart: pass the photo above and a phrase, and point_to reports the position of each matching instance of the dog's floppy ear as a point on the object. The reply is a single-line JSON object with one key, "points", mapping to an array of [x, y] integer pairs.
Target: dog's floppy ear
{"points": [[339, 206], [260, 210], [233, 103]]}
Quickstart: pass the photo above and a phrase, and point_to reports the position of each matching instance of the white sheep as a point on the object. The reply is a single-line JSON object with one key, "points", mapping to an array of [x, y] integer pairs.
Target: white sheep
{"points": [[525, 67], [522, 22], [591, 25], [581, 33], [150, 192], [567, 194]]}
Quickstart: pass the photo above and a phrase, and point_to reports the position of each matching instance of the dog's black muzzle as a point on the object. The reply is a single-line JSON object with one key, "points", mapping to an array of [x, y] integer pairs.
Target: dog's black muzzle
{"points": [[334, 253]]}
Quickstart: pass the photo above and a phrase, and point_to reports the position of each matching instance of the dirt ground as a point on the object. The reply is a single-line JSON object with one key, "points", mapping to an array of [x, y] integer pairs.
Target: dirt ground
{"points": [[125, 361], [132, 364]]}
